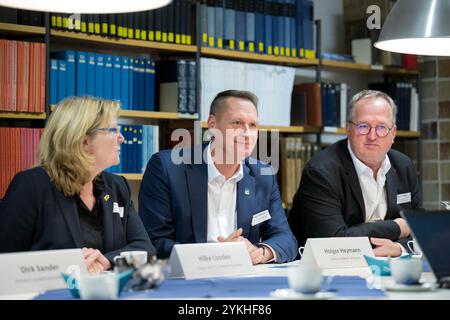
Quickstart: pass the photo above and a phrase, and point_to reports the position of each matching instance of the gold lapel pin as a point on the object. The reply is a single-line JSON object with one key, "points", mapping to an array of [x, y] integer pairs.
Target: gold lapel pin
{"points": [[106, 197]]}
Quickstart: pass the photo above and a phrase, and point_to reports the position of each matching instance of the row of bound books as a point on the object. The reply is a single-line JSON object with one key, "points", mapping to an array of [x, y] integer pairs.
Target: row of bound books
{"points": [[18, 151], [130, 80], [141, 142], [22, 76], [172, 24], [274, 27], [294, 154]]}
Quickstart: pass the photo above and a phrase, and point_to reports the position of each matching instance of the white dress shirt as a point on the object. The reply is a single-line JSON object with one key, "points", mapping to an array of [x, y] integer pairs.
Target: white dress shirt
{"points": [[373, 191], [222, 215]]}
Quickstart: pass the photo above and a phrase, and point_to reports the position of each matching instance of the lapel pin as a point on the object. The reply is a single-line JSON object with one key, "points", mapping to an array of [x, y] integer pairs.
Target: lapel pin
{"points": [[106, 197], [247, 191]]}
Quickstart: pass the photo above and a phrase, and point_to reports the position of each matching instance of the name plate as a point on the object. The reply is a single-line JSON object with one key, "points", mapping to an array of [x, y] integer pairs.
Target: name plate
{"points": [[203, 260], [37, 271], [333, 253]]}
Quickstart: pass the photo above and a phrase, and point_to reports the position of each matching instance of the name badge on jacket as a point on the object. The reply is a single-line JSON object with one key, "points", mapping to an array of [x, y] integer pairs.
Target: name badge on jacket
{"points": [[404, 198], [117, 209], [260, 217]]}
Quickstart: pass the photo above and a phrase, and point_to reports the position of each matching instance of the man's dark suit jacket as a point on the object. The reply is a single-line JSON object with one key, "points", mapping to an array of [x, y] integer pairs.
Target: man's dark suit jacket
{"points": [[35, 215], [173, 204], [329, 200]]}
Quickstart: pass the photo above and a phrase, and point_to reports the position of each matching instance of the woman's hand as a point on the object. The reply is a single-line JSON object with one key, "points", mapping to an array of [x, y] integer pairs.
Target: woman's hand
{"points": [[95, 261]]}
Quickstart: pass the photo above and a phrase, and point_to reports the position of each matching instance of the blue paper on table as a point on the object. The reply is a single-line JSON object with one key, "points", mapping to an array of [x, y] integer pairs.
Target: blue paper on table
{"points": [[381, 266], [230, 287], [72, 282]]}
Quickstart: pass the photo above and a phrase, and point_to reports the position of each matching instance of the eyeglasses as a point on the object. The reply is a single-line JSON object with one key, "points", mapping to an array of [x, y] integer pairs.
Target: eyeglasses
{"points": [[114, 130], [364, 128]]}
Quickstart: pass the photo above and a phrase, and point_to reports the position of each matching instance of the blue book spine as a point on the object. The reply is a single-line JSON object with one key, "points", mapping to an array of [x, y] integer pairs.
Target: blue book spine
{"points": [[250, 25], [218, 21], [210, 22], [53, 81], [280, 28], [116, 78], [70, 72], [99, 70], [90, 80], [124, 78], [61, 80], [126, 148], [149, 91], [240, 25], [131, 95], [141, 89], [135, 150], [259, 26], [144, 147], [139, 150], [229, 29], [136, 102], [275, 38], [293, 42], [107, 76], [70, 57], [299, 28], [287, 28], [308, 25], [81, 73], [268, 42]]}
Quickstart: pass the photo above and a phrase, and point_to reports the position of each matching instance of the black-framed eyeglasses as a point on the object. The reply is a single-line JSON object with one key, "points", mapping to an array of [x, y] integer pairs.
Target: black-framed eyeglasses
{"points": [[363, 128], [114, 130]]}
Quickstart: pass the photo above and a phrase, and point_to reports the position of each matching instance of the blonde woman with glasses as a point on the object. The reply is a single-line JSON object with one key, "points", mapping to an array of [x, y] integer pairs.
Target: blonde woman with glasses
{"points": [[67, 201]]}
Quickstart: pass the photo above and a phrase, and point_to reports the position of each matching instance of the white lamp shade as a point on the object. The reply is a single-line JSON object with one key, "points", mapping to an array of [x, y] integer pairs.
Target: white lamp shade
{"points": [[419, 27], [85, 6]]}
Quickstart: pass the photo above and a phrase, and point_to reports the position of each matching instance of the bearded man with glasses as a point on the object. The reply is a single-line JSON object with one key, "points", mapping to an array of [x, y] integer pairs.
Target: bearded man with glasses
{"points": [[357, 186]]}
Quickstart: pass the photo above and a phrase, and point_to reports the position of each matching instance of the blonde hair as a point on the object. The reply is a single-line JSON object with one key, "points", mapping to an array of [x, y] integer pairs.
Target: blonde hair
{"points": [[61, 151]]}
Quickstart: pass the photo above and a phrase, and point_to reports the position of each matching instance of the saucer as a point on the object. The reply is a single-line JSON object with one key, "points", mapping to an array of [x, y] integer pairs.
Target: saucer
{"points": [[295, 295], [426, 286]]}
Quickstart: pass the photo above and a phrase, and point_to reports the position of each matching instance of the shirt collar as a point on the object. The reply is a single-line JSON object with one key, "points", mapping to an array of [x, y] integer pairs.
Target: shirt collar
{"points": [[361, 168], [213, 173]]}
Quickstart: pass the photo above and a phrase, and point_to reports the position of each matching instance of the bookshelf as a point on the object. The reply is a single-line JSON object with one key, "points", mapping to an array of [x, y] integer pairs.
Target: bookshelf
{"points": [[366, 68], [23, 115], [18, 29], [156, 47], [281, 129], [256, 57], [73, 40]]}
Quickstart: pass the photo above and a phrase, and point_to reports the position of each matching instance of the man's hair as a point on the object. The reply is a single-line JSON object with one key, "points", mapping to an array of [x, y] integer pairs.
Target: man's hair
{"points": [[371, 94], [218, 105]]}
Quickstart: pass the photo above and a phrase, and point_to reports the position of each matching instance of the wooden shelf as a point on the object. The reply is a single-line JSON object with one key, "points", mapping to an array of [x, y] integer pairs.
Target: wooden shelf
{"points": [[158, 115], [366, 67], [132, 176], [22, 29], [400, 133], [334, 130], [22, 115], [284, 129], [148, 114], [408, 134], [248, 56], [159, 46], [290, 129]]}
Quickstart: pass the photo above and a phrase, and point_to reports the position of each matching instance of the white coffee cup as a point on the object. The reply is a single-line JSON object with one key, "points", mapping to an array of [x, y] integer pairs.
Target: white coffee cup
{"points": [[102, 286], [406, 271], [139, 257], [413, 246], [305, 279]]}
